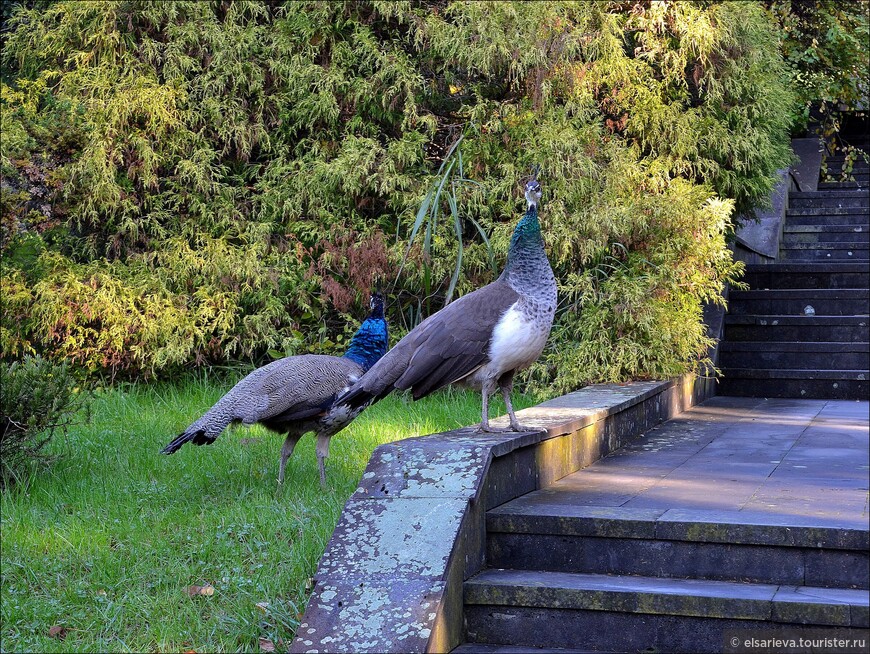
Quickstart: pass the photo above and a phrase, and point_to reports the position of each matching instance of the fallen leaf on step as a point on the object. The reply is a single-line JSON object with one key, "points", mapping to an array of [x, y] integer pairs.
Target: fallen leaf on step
{"points": [[193, 591], [57, 631], [266, 645]]}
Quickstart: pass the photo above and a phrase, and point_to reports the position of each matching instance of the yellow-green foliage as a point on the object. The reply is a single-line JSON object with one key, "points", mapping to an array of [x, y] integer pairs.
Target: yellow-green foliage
{"points": [[239, 174]]}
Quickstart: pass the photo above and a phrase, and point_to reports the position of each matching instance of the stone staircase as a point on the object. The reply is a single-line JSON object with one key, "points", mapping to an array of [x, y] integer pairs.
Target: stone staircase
{"points": [[801, 330], [624, 581], [647, 550]]}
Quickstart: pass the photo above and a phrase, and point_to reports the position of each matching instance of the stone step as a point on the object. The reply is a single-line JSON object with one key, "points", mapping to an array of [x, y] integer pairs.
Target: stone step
{"points": [[854, 182], [824, 275], [853, 220], [827, 204], [841, 216], [859, 168], [491, 648], [808, 329], [534, 533], [830, 199], [858, 202], [824, 252], [798, 302], [605, 612], [831, 239], [805, 384], [824, 195], [824, 229], [859, 175], [837, 162], [799, 234], [775, 355], [837, 173]]}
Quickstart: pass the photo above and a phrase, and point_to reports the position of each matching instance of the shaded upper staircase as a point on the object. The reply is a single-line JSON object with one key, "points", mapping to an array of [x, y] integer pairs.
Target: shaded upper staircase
{"points": [[801, 330]]}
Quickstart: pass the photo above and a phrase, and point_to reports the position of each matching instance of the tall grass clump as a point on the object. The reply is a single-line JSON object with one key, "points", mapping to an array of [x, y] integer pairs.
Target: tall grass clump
{"points": [[39, 400]]}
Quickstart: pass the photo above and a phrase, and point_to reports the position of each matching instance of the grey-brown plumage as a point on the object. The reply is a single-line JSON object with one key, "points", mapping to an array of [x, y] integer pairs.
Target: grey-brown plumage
{"points": [[483, 338], [296, 394]]}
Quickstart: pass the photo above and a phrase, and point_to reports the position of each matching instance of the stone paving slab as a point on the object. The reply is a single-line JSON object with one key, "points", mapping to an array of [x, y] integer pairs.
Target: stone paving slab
{"points": [[790, 459]]}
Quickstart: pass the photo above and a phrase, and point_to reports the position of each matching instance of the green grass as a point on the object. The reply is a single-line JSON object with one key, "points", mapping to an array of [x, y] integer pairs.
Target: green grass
{"points": [[105, 542]]}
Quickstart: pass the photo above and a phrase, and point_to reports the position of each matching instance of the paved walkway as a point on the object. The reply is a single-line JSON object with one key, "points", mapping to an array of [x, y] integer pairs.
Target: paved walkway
{"points": [[779, 459]]}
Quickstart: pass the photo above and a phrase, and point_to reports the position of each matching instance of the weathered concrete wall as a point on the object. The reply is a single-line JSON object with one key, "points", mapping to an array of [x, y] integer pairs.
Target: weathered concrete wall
{"points": [[391, 577], [757, 241], [806, 171]]}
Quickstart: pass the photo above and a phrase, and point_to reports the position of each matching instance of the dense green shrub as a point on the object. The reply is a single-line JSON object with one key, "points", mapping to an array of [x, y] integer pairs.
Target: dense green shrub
{"points": [[38, 399], [235, 176], [825, 46]]}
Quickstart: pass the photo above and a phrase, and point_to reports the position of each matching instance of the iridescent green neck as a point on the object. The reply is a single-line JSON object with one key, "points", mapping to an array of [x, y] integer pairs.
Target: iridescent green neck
{"points": [[526, 234]]}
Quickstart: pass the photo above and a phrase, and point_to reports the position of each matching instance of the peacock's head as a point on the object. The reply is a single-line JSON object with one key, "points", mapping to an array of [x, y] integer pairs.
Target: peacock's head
{"points": [[533, 189], [377, 305]]}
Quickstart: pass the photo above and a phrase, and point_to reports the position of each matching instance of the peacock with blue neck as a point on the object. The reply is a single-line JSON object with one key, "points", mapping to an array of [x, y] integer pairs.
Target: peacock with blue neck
{"points": [[370, 341]]}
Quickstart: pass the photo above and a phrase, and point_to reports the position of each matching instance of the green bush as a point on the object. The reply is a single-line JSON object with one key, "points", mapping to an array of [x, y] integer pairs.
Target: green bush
{"points": [[236, 176], [38, 399], [825, 46]]}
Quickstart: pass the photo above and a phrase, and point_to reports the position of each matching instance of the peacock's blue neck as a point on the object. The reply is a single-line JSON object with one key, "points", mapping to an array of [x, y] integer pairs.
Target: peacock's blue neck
{"points": [[369, 343]]}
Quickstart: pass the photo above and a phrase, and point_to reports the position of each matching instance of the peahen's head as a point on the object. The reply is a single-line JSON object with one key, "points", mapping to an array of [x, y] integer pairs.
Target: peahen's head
{"points": [[533, 189], [372, 338]]}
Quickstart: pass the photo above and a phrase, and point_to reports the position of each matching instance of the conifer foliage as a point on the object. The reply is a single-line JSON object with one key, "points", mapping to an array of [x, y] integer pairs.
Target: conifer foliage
{"points": [[200, 182]]}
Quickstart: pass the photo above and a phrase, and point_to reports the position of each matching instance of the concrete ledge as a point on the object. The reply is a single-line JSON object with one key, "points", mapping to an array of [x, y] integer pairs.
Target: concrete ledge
{"points": [[391, 577], [757, 241], [806, 171]]}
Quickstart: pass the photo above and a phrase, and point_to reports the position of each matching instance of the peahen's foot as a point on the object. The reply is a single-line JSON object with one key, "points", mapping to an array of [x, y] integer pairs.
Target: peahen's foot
{"points": [[523, 428], [488, 429]]}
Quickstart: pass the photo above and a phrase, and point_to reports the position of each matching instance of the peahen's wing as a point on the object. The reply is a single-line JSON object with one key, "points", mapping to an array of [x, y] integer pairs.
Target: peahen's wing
{"points": [[444, 348], [295, 387]]}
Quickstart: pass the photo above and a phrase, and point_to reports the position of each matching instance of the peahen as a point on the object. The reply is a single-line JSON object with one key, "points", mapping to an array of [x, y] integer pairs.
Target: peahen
{"points": [[482, 338], [295, 395]]}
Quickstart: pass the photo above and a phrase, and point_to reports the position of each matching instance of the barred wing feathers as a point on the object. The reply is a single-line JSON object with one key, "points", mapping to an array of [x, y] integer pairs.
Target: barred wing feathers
{"points": [[446, 347], [293, 388]]}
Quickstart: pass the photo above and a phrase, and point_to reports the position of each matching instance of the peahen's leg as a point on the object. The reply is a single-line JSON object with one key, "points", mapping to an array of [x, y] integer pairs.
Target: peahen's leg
{"points": [[322, 449], [484, 427], [506, 383], [286, 451]]}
